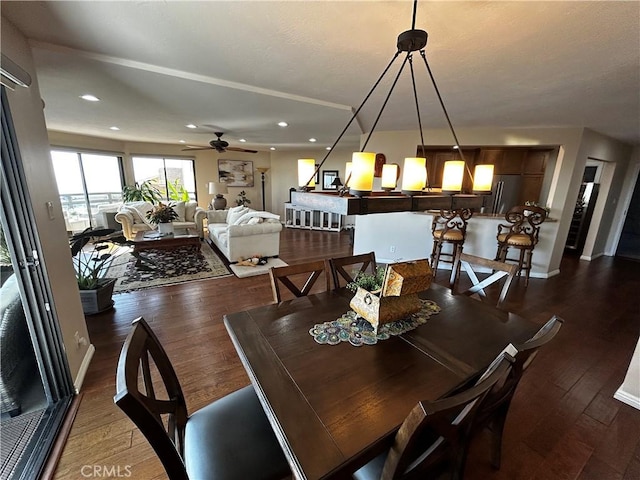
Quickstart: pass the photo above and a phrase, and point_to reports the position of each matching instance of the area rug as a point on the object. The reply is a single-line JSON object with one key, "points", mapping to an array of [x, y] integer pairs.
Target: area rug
{"points": [[166, 267], [244, 271]]}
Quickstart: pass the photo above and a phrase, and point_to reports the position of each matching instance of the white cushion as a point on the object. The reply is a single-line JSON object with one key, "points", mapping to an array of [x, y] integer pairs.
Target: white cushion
{"points": [[139, 211], [179, 207], [190, 211], [262, 216], [254, 220], [235, 213]]}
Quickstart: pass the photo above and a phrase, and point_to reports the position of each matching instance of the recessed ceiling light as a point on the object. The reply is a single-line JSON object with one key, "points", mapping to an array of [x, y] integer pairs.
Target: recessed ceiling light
{"points": [[328, 148], [283, 124], [312, 140], [182, 141], [191, 125], [90, 98], [114, 128], [242, 140], [272, 148]]}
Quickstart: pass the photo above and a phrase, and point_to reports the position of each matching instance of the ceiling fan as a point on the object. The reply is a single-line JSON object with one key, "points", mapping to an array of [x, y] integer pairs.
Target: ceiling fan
{"points": [[220, 145]]}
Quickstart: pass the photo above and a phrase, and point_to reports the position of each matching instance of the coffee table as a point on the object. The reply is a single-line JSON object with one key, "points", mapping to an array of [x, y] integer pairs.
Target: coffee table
{"points": [[153, 239]]}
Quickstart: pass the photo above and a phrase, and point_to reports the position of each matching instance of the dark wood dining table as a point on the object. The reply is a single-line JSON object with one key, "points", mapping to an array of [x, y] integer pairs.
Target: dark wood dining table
{"points": [[335, 407]]}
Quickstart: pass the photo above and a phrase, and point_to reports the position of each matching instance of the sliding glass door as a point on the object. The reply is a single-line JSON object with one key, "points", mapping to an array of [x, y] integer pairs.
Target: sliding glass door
{"points": [[89, 184], [35, 384]]}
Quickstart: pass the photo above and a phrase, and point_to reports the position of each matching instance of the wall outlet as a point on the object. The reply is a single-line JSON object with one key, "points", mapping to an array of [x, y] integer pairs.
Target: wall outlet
{"points": [[392, 249]]}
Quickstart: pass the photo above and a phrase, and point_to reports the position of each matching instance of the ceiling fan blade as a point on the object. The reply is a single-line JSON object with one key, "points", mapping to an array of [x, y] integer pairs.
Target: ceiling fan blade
{"points": [[236, 149], [195, 148]]}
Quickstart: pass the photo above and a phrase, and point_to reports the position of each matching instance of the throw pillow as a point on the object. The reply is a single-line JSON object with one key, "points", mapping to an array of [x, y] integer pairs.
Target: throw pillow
{"points": [[179, 207], [139, 212], [235, 213], [254, 221], [190, 211]]}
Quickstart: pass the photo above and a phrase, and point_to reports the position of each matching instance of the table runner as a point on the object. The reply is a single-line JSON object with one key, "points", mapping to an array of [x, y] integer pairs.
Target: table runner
{"points": [[357, 331]]}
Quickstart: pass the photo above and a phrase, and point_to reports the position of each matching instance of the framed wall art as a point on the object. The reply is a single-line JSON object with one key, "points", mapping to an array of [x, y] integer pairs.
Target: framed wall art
{"points": [[328, 176], [235, 173]]}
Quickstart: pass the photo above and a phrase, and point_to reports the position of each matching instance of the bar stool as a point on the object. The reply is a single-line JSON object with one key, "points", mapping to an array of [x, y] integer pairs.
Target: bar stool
{"points": [[449, 227], [521, 233]]}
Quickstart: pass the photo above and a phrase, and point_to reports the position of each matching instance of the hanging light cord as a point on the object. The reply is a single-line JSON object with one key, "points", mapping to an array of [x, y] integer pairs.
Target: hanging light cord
{"points": [[444, 110], [355, 114], [384, 104]]}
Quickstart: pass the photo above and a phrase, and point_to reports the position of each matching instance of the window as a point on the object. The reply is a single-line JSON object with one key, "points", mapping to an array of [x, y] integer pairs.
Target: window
{"points": [[87, 183], [169, 175]]}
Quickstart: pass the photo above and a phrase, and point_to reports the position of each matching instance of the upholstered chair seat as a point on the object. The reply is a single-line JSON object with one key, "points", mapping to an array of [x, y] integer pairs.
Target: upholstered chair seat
{"points": [[517, 239], [449, 235]]}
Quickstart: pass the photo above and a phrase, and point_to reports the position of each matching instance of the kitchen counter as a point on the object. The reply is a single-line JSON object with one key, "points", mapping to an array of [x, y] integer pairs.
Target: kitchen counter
{"points": [[402, 236]]}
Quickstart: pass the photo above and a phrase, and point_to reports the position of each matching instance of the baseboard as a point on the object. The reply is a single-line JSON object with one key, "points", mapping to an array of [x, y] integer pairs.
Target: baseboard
{"points": [[592, 257], [84, 367], [627, 398], [550, 274]]}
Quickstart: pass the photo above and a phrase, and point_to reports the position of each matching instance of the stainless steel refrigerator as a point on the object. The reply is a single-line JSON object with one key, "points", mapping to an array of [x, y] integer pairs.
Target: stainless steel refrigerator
{"points": [[505, 194]]}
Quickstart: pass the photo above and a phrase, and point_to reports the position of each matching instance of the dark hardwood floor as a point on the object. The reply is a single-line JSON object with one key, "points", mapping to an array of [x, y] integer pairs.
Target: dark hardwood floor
{"points": [[564, 422]]}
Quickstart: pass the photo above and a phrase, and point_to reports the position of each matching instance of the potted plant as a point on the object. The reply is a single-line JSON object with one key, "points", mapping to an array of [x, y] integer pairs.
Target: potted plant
{"points": [[163, 215], [145, 192], [91, 265], [368, 281], [242, 199]]}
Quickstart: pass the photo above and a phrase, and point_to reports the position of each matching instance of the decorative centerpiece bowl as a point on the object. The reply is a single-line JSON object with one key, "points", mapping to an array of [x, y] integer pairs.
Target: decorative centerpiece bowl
{"points": [[398, 297]]}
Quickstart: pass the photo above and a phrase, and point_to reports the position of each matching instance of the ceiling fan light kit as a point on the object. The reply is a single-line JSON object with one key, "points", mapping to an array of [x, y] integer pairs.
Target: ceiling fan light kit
{"points": [[360, 178], [220, 146]]}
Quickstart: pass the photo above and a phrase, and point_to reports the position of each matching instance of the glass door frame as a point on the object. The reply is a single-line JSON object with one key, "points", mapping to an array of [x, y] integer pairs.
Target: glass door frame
{"points": [[23, 242]]}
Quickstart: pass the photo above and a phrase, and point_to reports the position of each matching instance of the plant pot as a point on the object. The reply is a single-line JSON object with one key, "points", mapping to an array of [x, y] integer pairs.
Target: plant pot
{"points": [[165, 228], [99, 299]]}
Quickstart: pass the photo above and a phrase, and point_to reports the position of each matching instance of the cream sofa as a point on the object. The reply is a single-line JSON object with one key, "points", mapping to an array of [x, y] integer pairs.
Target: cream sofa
{"points": [[132, 217], [241, 232]]}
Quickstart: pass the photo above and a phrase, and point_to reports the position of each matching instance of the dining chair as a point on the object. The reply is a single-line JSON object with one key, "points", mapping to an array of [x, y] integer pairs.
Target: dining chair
{"points": [[292, 276], [472, 265], [493, 411], [359, 263], [433, 439], [448, 227], [230, 438], [521, 232]]}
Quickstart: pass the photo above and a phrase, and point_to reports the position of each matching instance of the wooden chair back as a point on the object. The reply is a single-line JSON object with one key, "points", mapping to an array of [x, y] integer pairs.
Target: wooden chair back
{"points": [[366, 261], [454, 221], [493, 411], [523, 220], [159, 413], [292, 276], [472, 264], [438, 433]]}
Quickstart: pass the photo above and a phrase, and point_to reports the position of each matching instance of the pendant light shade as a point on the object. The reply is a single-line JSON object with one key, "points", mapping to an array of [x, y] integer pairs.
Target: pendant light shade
{"points": [[389, 176], [362, 172], [306, 171], [452, 176], [414, 175], [482, 178]]}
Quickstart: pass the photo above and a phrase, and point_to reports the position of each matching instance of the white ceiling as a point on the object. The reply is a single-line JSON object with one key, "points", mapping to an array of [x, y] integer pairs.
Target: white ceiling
{"points": [[240, 67]]}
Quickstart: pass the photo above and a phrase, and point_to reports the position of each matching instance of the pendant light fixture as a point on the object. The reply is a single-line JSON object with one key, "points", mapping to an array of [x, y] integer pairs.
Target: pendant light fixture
{"points": [[415, 180]]}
